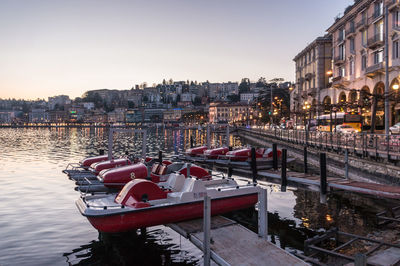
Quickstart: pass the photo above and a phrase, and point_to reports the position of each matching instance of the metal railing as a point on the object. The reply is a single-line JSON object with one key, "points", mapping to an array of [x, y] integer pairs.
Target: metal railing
{"points": [[363, 144]]}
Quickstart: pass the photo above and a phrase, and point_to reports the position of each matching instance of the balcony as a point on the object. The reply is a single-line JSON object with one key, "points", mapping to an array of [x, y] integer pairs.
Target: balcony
{"points": [[362, 24], [339, 39], [394, 4], [339, 81], [374, 70], [339, 60], [350, 32], [312, 92], [375, 41], [308, 76], [378, 14]]}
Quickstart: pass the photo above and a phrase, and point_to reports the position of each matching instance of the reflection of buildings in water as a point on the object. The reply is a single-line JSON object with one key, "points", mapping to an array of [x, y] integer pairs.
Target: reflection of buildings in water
{"points": [[129, 248], [349, 212]]}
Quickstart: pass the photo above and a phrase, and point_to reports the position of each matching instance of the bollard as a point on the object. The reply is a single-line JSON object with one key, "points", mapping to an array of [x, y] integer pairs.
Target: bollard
{"points": [[283, 173], [191, 141], [323, 183], [275, 156], [305, 160], [346, 163], [207, 229], [101, 152], [253, 164], [263, 214], [160, 156]]}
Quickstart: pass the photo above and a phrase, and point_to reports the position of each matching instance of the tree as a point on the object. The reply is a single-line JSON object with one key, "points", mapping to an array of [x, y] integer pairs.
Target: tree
{"points": [[197, 101], [244, 85], [261, 83], [233, 98]]}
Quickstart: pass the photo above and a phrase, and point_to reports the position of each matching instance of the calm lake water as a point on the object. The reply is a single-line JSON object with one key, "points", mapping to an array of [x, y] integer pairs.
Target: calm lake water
{"points": [[40, 224]]}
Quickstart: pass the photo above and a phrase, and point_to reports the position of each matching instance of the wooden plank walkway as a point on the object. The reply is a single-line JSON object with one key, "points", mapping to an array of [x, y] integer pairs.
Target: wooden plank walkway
{"points": [[234, 244], [334, 183]]}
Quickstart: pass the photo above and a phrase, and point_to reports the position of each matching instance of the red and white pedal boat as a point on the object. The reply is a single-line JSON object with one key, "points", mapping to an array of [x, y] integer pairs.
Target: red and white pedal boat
{"points": [[242, 155], [142, 203], [216, 153], [196, 151], [116, 178]]}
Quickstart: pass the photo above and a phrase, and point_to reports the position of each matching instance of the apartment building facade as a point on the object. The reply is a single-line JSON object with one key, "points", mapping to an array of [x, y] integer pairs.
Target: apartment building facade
{"points": [[312, 80], [358, 42], [220, 112]]}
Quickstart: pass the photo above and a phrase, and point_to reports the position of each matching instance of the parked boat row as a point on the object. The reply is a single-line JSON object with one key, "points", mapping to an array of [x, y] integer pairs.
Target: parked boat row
{"points": [[240, 158], [123, 194]]}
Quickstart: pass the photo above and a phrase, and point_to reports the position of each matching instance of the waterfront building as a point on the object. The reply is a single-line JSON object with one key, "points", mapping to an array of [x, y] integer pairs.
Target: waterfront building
{"points": [[38, 116], [56, 116], [312, 81], [173, 115], [248, 97], [116, 116], [358, 70], [222, 90], [6, 117], [220, 112]]}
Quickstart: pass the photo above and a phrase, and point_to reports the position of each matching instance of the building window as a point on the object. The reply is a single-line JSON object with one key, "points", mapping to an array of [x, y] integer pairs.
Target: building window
{"points": [[342, 52], [379, 31], [342, 35], [378, 9], [396, 18], [352, 46], [351, 64], [351, 28], [395, 49], [364, 38], [363, 61], [364, 17], [378, 56], [341, 71]]}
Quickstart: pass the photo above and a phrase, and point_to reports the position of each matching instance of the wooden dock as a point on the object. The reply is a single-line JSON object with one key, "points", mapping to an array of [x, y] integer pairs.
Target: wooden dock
{"points": [[233, 244]]}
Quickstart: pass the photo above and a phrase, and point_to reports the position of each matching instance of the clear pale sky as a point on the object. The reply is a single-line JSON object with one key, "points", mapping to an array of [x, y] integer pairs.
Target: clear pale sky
{"points": [[57, 47]]}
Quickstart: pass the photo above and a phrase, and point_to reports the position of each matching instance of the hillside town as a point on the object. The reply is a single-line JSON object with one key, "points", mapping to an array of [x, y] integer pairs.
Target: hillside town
{"points": [[169, 102]]}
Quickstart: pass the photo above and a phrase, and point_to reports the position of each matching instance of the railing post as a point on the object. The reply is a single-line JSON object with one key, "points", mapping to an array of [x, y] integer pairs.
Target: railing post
{"points": [[263, 214], [188, 170], [253, 164], [191, 141], [230, 170], [305, 160], [207, 230], [283, 172], [275, 156], [323, 183]]}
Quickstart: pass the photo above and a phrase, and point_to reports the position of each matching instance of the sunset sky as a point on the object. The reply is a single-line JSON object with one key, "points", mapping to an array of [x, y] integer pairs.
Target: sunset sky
{"points": [[57, 47]]}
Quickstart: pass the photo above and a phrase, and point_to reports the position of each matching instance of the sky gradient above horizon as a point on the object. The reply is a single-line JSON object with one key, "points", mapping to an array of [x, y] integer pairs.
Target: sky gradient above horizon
{"points": [[52, 47]]}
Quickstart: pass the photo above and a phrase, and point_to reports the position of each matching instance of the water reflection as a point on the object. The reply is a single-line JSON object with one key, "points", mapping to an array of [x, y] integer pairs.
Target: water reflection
{"points": [[37, 198], [155, 247]]}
